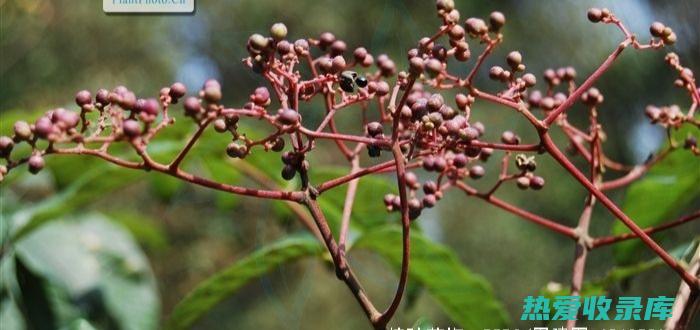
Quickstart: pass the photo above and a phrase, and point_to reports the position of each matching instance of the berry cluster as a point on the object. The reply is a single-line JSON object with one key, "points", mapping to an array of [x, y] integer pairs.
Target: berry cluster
{"points": [[412, 121]]}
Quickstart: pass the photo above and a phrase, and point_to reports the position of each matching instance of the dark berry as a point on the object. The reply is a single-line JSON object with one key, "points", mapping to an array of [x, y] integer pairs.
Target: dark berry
{"points": [[374, 151], [690, 142], [288, 117], [235, 150], [595, 15], [460, 161], [429, 201], [537, 182], [472, 151], [414, 208], [440, 164], [430, 187], [288, 172], [102, 97], [375, 129], [278, 144]]}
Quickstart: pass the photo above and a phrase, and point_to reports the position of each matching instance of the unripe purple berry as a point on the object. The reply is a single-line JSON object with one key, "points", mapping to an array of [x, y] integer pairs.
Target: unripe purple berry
{"points": [[131, 128], [288, 117], [375, 129], [657, 29], [192, 106], [261, 96], [429, 201], [177, 90], [595, 15], [509, 137], [430, 187], [6, 146], [102, 97], [83, 97], [497, 20], [537, 182], [36, 163], [325, 40], [43, 127], [460, 161]]}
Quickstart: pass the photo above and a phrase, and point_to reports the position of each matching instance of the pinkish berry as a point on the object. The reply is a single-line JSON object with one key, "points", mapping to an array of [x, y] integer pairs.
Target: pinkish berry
{"points": [[83, 97], [177, 90], [36, 163]]}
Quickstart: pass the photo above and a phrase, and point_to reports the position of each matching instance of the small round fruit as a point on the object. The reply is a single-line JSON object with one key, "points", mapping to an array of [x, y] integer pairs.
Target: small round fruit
{"points": [[537, 182], [36, 163], [288, 172], [177, 90], [131, 128], [278, 31], [83, 97], [288, 117], [523, 182]]}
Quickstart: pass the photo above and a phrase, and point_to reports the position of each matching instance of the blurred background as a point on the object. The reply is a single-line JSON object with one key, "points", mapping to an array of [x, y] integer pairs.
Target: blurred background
{"points": [[51, 49]]}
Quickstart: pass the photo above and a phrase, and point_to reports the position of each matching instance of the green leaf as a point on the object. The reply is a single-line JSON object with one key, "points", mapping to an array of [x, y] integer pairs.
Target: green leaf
{"points": [[91, 255], [226, 282], [10, 315], [79, 324], [146, 230], [466, 297], [669, 187]]}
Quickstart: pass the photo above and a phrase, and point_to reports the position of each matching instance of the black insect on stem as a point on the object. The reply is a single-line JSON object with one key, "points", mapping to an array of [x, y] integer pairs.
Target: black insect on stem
{"points": [[348, 80]]}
